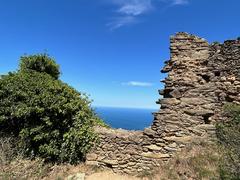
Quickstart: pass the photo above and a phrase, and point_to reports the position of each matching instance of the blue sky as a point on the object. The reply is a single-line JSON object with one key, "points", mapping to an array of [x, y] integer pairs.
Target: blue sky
{"points": [[110, 49]]}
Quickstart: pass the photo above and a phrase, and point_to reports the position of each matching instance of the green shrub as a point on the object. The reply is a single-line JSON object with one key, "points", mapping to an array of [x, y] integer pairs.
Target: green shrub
{"points": [[40, 63], [228, 133], [50, 119]]}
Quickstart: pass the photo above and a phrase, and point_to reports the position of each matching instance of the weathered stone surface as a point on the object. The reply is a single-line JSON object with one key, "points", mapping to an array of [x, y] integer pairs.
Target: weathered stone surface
{"points": [[155, 155], [184, 139], [149, 132], [110, 162], [92, 157], [176, 93], [193, 101], [169, 102], [92, 163], [209, 127], [198, 112], [154, 147], [201, 79]]}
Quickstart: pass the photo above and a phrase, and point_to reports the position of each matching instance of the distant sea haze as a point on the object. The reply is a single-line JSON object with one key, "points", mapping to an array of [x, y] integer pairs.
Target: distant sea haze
{"points": [[126, 118]]}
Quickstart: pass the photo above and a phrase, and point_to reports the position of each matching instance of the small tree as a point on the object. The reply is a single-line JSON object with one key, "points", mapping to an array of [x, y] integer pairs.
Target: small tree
{"points": [[49, 118], [40, 63]]}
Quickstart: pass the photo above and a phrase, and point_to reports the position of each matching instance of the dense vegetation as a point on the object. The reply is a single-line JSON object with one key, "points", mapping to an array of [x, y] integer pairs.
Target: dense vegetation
{"points": [[40, 63], [48, 118], [228, 133]]}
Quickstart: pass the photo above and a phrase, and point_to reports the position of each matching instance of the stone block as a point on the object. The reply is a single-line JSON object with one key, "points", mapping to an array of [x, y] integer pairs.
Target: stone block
{"points": [[198, 112], [110, 162], [92, 163], [149, 132], [184, 139], [193, 101], [155, 155], [154, 147], [91, 156], [169, 102]]}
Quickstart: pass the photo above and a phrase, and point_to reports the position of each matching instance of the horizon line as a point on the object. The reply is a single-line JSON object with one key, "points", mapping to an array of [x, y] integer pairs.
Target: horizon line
{"points": [[126, 107]]}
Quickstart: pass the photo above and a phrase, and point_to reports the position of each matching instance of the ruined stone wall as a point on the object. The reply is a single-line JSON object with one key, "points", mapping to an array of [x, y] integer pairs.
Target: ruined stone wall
{"points": [[201, 79]]}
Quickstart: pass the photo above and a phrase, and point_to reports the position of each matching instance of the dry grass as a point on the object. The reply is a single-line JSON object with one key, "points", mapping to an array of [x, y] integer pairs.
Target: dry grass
{"points": [[196, 161], [109, 175], [23, 169], [26, 169], [14, 166], [7, 151]]}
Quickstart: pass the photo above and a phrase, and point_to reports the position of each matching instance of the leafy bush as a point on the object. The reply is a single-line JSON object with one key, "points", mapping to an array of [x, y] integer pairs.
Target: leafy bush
{"points": [[40, 63], [228, 133], [50, 119]]}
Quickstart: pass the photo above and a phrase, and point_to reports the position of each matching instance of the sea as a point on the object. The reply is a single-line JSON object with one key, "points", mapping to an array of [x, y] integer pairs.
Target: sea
{"points": [[126, 118]]}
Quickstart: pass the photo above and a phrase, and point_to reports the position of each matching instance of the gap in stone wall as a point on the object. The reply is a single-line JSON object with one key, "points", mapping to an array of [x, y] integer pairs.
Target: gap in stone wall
{"points": [[207, 117], [206, 77], [217, 73]]}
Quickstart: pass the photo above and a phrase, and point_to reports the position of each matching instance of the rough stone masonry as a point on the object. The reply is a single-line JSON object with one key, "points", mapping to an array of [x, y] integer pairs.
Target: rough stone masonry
{"points": [[201, 79]]}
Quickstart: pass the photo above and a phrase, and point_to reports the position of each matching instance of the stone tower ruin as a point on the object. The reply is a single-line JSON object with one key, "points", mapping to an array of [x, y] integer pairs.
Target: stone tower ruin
{"points": [[202, 77]]}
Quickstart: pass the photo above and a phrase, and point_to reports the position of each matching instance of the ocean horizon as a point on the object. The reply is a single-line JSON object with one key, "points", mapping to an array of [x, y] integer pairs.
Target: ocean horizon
{"points": [[126, 118]]}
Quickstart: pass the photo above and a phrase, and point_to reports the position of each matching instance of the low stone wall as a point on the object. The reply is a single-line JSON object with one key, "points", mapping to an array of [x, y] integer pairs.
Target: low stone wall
{"points": [[123, 151], [133, 151], [201, 79]]}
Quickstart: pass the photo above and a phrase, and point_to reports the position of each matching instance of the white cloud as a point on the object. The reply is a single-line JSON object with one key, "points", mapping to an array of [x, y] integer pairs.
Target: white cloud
{"points": [[179, 2], [122, 21], [128, 12], [137, 83], [134, 7]]}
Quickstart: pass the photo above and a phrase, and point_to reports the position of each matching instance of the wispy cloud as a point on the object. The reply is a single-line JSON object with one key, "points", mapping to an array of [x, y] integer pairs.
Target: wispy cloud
{"points": [[179, 2], [121, 21], [129, 12], [137, 83], [134, 7], [174, 2]]}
